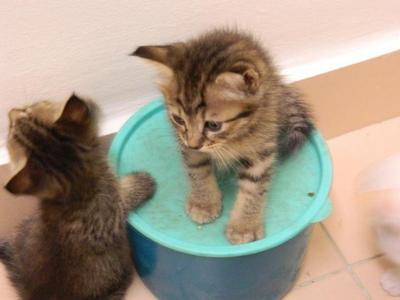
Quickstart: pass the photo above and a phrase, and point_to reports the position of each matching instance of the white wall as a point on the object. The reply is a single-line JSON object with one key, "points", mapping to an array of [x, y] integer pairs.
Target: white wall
{"points": [[49, 48]]}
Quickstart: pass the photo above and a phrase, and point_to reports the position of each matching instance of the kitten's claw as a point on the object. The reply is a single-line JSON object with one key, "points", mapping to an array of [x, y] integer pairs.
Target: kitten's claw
{"points": [[203, 210], [390, 281], [239, 232]]}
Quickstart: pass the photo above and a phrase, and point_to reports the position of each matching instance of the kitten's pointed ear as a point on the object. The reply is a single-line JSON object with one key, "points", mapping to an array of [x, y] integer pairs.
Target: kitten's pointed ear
{"points": [[252, 79], [25, 180], [240, 79], [76, 111], [156, 53], [166, 55]]}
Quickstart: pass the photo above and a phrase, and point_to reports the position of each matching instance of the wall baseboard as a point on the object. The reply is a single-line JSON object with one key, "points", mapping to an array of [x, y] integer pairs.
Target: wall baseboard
{"points": [[353, 54], [355, 96]]}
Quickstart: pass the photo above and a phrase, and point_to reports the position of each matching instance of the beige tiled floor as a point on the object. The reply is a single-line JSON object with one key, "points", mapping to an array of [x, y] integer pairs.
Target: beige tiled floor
{"points": [[343, 261], [337, 286], [322, 258]]}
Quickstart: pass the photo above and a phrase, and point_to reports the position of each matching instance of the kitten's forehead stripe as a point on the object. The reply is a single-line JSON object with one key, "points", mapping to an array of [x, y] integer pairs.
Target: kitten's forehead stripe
{"points": [[180, 103], [201, 105], [200, 109]]}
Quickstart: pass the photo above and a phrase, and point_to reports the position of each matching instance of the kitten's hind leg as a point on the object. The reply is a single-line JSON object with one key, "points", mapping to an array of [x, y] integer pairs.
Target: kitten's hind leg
{"points": [[135, 188]]}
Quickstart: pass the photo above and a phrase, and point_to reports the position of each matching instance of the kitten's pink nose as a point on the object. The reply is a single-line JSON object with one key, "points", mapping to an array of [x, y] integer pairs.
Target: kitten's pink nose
{"points": [[195, 147], [194, 139], [195, 142]]}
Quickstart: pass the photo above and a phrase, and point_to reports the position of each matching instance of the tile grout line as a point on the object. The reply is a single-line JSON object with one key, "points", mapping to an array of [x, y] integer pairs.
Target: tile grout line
{"points": [[320, 278], [337, 271], [365, 260], [349, 268]]}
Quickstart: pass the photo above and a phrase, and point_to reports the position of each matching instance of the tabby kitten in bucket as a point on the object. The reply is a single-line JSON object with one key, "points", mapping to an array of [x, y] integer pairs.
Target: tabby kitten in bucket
{"points": [[76, 246], [229, 107]]}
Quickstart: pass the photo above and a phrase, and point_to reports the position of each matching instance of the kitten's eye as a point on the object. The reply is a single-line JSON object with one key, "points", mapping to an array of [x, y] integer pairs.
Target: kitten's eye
{"points": [[213, 126], [178, 120]]}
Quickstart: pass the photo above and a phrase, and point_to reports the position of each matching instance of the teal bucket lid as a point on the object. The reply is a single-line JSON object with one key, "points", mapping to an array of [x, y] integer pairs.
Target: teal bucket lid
{"points": [[297, 198]]}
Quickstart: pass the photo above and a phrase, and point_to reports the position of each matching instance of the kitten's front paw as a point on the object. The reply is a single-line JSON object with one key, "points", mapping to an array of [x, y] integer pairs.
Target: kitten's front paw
{"points": [[240, 231], [390, 282], [203, 210]]}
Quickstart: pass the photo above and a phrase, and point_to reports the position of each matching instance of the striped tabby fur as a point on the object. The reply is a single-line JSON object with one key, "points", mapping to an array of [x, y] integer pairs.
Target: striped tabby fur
{"points": [[75, 246], [229, 107]]}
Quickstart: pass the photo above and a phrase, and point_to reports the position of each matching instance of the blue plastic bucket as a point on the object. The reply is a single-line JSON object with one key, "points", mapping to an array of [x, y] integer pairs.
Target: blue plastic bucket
{"points": [[178, 259]]}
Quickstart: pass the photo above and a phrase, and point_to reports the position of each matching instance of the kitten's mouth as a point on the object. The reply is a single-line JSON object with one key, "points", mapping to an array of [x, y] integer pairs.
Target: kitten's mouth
{"points": [[199, 149], [208, 148], [203, 148]]}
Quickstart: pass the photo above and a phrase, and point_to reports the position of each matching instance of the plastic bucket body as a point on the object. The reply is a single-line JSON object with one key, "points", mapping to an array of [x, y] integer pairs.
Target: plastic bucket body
{"points": [[179, 259], [173, 275]]}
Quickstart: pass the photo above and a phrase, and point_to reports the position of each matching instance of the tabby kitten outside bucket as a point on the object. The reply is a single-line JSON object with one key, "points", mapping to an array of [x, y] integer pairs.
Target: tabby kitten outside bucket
{"points": [[75, 246], [230, 108]]}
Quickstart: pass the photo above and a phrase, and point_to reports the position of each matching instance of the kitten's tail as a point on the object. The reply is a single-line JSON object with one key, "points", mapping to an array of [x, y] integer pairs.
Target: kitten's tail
{"points": [[298, 124], [136, 188]]}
